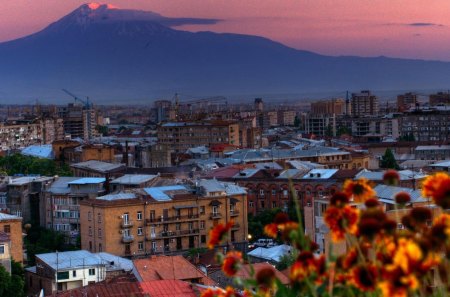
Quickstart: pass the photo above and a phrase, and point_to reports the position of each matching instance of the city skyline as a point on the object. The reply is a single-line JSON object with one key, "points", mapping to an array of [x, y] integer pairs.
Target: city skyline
{"points": [[413, 29]]}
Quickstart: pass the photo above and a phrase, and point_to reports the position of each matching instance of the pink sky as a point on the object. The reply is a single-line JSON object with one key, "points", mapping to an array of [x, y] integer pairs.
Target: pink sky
{"points": [[407, 28]]}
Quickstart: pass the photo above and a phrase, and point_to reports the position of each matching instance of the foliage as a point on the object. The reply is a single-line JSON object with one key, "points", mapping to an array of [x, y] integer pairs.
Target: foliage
{"points": [[388, 160], [194, 252], [380, 259], [12, 284], [103, 130], [342, 130], [40, 240], [20, 164]]}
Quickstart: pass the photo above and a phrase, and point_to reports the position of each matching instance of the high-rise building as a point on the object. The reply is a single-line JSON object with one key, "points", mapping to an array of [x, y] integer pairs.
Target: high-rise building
{"points": [[259, 104], [79, 121], [364, 103], [328, 107], [406, 101], [440, 98]]}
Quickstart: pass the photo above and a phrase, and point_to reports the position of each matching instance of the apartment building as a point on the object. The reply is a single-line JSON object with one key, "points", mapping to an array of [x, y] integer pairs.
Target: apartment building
{"points": [[132, 181], [62, 203], [320, 124], [181, 136], [79, 121], [286, 117], [24, 196], [406, 101], [439, 98], [20, 135], [432, 152], [426, 125], [329, 107], [94, 168], [12, 227], [364, 103], [161, 220], [5, 251]]}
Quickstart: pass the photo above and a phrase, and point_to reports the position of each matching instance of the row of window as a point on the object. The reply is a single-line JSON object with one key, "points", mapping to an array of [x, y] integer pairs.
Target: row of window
{"points": [[65, 274]]}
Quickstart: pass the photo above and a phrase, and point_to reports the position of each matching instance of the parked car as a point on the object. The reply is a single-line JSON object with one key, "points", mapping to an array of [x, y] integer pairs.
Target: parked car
{"points": [[264, 242]]}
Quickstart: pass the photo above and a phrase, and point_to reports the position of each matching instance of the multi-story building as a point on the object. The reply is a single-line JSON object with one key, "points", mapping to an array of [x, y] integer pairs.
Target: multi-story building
{"points": [[432, 152], [286, 117], [163, 219], [20, 135], [321, 124], [153, 156], [61, 210], [5, 251], [132, 181], [406, 101], [364, 103], [376, 127], [79, 121], [426, 125], [329, 107], [62, 271], [181, 136], [24, 196], [12, 227], [259, 104], [439, 98]]}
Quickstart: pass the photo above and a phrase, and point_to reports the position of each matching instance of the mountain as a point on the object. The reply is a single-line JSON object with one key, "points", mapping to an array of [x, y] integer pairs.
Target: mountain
{"points": [[116, 56]]}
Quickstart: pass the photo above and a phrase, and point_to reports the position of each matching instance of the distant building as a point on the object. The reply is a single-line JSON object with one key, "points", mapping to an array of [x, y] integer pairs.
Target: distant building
{"points": [[328, 107], [167, 219], [79, 121], [406, 101], [181, 136], [5, 251], [426, 125], [364, 103], [95, 168], [286, 117], [440, 98], [432, 152], [259, 104], [321, 124]]}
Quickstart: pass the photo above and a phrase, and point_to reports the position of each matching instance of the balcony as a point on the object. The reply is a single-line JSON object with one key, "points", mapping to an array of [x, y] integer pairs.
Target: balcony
{"points": [[177, 233], [215, 215], [126, 224], [234, 213], [235, 226], [171, 219], [127, 238]]}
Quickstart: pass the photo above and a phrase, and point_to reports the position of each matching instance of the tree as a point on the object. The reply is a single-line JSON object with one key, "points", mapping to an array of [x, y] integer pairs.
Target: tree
{"points": [[388, 160], [297, 122], [20, 164], [11, 284]]}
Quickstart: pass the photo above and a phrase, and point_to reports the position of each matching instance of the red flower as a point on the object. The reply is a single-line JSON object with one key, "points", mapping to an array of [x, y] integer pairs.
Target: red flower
{"points": [[218, 233], [402, 198], [438, 187], [391, 177], [364, 277], [232, 263], [271, 230]]}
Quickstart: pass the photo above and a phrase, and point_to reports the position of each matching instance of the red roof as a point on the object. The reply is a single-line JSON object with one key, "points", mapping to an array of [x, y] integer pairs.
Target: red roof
{"points": [[104, 290], [168, 288], [169, 268]]}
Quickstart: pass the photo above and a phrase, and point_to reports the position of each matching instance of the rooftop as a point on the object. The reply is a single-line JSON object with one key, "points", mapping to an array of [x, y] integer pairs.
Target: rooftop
{"points": [[87, 180], [118, 196], [61, 185], [166, 193], [133, 179], [386, 194], [4, 217], [40, 151], [98, 166], [320, 174]]}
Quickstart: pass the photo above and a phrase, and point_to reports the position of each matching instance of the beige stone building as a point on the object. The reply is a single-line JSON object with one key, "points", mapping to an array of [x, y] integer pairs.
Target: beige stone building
{"points": [[161, 220], [12, 227]]}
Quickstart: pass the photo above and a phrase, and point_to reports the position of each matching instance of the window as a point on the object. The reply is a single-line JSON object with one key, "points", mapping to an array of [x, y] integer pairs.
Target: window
{"points": [[126, 218], [139, 231], [139, 215], [100, 247], [90, 231], [178, 226], [140, 246], [62, 275], [203, 239], [202, 224], [91, 271], [285, 193], [202, 209], [2, 249], [152, 215], [261, 192], [89, 216], [7, 229], [74, 273], [274, 192], [99, 232], [250, 204], [90, 246], [274, 204], [154, 245], [215, 210], [191, 225], [99, 217]]}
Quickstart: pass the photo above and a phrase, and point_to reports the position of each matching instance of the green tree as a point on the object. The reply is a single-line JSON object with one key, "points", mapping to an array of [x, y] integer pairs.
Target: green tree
{"points": [[11, 284], [297, 122], [20, 164], [388, 160]]}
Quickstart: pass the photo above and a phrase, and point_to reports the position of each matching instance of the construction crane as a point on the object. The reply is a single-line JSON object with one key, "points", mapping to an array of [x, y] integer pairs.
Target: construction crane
{"points": [[87, 104]]}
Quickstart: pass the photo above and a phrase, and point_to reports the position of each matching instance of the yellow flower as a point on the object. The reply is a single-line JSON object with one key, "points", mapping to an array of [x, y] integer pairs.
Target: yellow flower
{"points": [[360, 189], [407, 254]]}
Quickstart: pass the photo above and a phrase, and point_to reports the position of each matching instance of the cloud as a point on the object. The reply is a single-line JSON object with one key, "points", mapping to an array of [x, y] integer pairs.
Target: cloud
{"points": [[424, 25]]}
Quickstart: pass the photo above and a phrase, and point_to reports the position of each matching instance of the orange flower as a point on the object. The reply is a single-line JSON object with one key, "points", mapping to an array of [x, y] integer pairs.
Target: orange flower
{"points": [[438, 187], [271, 230], [232, 263], [391, 177], [218, 233], [209, 293], [364, 277], [359, 189], [402, 198], [304, 266], [341, 220], [265, 278]]}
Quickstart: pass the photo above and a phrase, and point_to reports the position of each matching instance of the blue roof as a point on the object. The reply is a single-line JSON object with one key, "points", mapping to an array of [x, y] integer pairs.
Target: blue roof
{"points": [[88, 180], [158, 193], [40, 151]]}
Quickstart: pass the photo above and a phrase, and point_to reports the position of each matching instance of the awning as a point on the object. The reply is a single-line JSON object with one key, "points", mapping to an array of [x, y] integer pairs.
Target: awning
{"points": [[185, 206], [215, 203]]}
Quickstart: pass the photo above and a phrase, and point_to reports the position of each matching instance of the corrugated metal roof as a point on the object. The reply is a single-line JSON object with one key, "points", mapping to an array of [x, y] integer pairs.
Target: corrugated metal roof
{"points": [[87, 180], [4, 216], [40, 151], [320, 174], [61, 185], [387, 194], [118, 196], [97, 166], [133, 179], [158, 193]]}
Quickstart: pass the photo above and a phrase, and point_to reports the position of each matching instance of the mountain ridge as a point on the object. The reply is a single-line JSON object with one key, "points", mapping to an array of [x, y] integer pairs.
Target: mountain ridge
{"points": [[123, 57]]}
